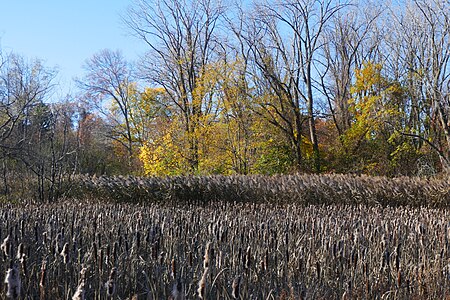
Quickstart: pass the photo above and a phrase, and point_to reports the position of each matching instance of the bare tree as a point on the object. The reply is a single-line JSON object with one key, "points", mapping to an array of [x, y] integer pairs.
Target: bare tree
{"points": [[182, 38], [422, 48], [350, 41], [286, 39], [34, 137], [108, 87], [22, 86]]}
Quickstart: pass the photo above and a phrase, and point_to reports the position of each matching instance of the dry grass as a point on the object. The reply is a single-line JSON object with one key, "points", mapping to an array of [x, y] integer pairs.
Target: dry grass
{"points": [[283, 189]]}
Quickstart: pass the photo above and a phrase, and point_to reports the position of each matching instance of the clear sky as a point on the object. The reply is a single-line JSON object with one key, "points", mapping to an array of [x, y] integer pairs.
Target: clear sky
{"points": [[64, 33]]}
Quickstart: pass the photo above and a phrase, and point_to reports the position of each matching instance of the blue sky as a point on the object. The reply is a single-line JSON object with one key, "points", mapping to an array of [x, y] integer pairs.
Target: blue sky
{"points": [[66, 33]]}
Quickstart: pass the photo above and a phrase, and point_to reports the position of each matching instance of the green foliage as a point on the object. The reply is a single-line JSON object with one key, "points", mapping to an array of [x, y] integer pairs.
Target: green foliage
{"points": [[275, 158]]}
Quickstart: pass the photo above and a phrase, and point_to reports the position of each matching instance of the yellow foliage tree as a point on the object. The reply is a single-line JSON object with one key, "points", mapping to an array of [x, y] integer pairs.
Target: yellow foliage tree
{"points": [[376, 113], [164, 155], [146, 110], [229, 137]]}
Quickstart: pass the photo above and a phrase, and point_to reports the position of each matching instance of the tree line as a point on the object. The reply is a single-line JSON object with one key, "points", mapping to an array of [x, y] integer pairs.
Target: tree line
{"points": [[263, 87]]}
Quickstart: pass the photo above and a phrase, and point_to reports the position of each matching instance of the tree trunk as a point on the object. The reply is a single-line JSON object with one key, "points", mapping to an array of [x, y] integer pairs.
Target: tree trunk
{"points": [[312, 123]]}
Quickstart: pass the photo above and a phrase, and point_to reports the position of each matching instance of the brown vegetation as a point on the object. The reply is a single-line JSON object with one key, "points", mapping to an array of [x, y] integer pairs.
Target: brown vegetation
{"points": [[225, 251], [282, 189]]}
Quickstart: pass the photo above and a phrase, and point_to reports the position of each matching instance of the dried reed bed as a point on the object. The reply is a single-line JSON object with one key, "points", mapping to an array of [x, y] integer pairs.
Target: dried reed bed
{"points": [[225, 251], [283, 189]]}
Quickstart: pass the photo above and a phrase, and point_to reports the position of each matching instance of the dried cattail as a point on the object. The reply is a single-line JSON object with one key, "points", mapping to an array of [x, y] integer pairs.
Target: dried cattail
{"points": [[80, 292], [127, 245], [94, 251], [58, 242], [65, 253], [111, 283], [42, 279], [368, 288], [108, 253], [138, 240], [100, 261], [173, 268], [318, 270], [236, 287], [345, 296], [190, 259], [355, 258], [155, 250], [5, 246], [20, 251], [202, 285], [397, 257], [206, 258], [44, 237], [36, 235], [115, 251], [247, 258], [177, 291], [13, 283]]}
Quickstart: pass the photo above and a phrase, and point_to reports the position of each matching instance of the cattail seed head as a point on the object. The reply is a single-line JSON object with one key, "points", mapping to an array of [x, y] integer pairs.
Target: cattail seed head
{"points": [[20, 251], [42, 279], [5, 245], [206, 258], [177, 291], [318, 270], [43, 274], [13, 283], [58, 242], [174, 269], [80, 292], [247, 258], [111, 283], [202, 285], [190, 259], [65, 253], [235, 287]]}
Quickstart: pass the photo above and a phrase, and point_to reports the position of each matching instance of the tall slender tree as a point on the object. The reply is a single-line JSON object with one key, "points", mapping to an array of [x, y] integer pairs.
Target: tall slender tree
{"points": [[286, 39], [347, 44]]}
